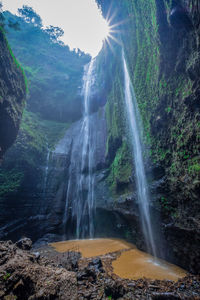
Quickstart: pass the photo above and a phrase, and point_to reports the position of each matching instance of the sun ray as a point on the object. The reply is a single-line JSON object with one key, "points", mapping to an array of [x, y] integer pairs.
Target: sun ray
{"points": [[119, 23], [112, 17], [110, 45]]}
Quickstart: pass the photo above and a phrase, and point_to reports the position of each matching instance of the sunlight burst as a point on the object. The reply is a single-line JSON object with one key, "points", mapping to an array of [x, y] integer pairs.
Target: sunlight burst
{"points": [[82, 21], [113, 30], [105, 30], [111, 33]]}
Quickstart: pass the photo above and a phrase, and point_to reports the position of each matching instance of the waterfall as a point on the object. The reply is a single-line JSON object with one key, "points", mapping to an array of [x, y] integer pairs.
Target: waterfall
{"points": [[80, 189], [85, 214], [135, 127], [46, 171]]}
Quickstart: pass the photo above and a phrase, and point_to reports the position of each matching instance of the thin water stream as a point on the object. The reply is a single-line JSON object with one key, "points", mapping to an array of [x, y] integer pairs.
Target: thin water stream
{"points": [[46, 171], [135, 127]]}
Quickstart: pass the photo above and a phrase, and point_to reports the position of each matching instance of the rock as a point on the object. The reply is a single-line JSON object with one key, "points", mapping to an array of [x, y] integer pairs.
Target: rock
{"points": [[71, 261], [29, 280], [12, 96], [179, 18], [37, 255], [24, 244], [96, 264], [115, 289], [25, 279], [164, 296], [92, 271], [86, 274]]}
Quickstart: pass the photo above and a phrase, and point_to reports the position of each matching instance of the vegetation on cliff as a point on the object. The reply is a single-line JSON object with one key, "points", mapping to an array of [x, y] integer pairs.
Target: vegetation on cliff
{"points": [[54, 72], [54, 78], [163, 64], [160, 39], [12, 94]]}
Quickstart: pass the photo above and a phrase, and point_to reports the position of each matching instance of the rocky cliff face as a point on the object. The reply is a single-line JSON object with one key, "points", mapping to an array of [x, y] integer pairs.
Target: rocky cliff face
{"points": [[161, 44], [12, 95]]}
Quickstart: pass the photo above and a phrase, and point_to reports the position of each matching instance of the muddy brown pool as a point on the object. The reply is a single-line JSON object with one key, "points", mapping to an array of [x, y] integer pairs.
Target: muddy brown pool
{"points": [[131, 264]]}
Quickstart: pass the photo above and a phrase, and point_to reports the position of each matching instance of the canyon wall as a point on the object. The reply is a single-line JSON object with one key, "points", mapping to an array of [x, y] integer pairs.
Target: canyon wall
{"points": [[12, 95], [161, 44]]}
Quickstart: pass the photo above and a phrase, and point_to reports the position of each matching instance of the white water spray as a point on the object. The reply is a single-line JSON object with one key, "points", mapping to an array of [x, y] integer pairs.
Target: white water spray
{"points": [[80, 189], [135, 126], [46, 172]]}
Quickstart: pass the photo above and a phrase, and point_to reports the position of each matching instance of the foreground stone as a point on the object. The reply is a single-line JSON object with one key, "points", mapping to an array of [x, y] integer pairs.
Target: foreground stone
{"points": [[24, 277]]}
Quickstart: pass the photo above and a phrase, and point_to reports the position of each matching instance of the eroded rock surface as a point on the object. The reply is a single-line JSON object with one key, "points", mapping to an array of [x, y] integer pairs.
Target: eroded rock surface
{"points": [[12, 96], [25, 276]]}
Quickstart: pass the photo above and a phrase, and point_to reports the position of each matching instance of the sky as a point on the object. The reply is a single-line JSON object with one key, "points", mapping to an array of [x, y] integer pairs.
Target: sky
{"points": [[82, 22]]}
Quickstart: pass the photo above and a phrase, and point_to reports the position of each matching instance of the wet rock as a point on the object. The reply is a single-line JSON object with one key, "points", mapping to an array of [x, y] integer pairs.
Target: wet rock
{"points": [[70, 260], [12, 96], [37, 255], [165, 296], [24, 244], [115, 289], [183, 240], [96, 264], [43, 280], [4, 254], [180, 19], [28, 279], [92, 271], [87, 274]]}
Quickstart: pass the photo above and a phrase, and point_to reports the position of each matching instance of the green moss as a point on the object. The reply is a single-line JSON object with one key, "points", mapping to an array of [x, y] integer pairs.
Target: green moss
{"points": [[6, 276], [143, 56], [10, 181], [121, 170], [157, 96], [168, 109], [194, 166], [29, 152], [167, 207], [54, 72], [165, 93], [15, 60], [115, 117], [39, 132]]}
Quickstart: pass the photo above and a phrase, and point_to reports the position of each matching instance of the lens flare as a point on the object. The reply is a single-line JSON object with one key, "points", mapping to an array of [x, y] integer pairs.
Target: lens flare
{"points": [[112, 29], [105, 30]]}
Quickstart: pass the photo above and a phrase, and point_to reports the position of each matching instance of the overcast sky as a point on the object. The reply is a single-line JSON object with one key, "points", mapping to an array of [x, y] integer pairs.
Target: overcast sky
{"points": [[81, 20]]}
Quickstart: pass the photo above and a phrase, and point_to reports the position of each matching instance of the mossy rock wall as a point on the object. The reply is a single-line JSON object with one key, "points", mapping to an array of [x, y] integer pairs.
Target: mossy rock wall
{"points": [[162, 50], [118, 153], [12, 95], [163, 64]]}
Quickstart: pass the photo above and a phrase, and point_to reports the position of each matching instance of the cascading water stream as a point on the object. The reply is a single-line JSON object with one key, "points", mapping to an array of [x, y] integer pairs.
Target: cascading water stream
{"points": [[81, 180], [46, 171], [135, 127], [86, 206]]}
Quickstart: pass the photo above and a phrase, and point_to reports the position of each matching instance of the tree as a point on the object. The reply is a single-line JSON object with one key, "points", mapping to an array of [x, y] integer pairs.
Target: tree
{"points": [[13, 24], [2, 19], [30, 16], [54, 32]]}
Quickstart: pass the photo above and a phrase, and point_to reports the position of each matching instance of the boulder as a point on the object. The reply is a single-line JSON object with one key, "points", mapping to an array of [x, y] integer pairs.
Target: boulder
{"points": [[24, 244]]}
